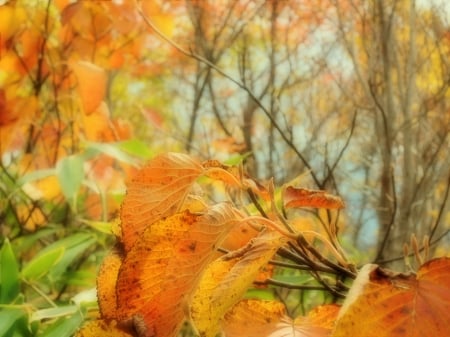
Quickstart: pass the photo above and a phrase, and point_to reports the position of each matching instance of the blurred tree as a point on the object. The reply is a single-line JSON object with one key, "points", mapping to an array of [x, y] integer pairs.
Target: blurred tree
{"points": [[349, 96]]}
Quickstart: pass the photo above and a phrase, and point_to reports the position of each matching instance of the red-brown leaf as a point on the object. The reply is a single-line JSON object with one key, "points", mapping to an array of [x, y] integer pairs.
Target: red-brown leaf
{"points": [[302, 197]]}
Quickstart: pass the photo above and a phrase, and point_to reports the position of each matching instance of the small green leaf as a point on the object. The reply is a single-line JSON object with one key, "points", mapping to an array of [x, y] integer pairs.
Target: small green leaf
{"points": [[113, 150], [73, 246], [25, 242], [101, 226], [237, 159], [262, 294], [35, 175], [9, 274], [42, 263], [136, 148], [53, 312], [64, 326], [70, 175]]}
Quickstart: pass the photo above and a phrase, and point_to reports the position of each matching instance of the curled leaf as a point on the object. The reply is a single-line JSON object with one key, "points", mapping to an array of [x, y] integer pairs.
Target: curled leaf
{"points": [[303, 197], [227, 279]]}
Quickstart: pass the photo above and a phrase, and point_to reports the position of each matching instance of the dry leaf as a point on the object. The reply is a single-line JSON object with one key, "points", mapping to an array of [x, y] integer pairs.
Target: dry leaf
{"points": [[102, 328], [156, 191], [218, 171], [253, 318], [106, 284], [227, 279], [383, 304], [302, 197], [161, 270]]}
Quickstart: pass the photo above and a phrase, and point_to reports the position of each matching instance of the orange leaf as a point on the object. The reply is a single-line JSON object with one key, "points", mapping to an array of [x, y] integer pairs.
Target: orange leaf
{"points": [[302, 197], [92, 82], [158, 190], [218, 171], [161, 270], [106, 284], [381, 303], [253, 318], [318, 323], [239, 236]]}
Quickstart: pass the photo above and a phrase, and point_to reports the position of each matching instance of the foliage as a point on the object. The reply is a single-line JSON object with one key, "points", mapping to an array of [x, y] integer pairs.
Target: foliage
{"points": [[291, 91], [168, 271]]}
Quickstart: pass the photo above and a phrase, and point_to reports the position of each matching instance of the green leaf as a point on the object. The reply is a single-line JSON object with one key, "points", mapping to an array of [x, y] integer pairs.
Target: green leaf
{"points": [[42, 263], [53, 312], [74, 246], [25, 242], [9, 274], [35, 175], [64, 326], [262, 294], [113, 150], [101, 226], [70, 173], [237, 159], [136, 148], [8, 319]]}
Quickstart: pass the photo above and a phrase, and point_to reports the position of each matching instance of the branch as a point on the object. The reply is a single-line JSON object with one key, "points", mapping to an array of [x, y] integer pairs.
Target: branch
{"points": [[391, 222], [240, 85], [441, 209]]}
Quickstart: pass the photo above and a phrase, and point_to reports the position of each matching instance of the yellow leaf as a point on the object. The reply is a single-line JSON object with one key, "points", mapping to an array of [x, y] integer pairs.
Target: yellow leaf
{"points": [[227, 279], [164, 22], [106, 284], [10, 20], [102, 328], [31, 217]]}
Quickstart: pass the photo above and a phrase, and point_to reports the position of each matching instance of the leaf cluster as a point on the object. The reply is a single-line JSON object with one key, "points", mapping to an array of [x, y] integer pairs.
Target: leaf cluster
{"points": [[166, 267]]}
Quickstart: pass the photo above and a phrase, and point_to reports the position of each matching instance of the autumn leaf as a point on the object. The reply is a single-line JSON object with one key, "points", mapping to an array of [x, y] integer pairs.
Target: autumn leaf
{"points": [[163, 267], [218, 171], [92, 82], [163, 21], [382, 303], [255, 318], [106, 284], [239, 236], [302, 197], [156, 191], [226, 280], [102, 328]]}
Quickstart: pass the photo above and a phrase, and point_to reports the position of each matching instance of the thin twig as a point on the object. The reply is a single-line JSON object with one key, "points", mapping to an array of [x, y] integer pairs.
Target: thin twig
{"points": [[240, 85]]}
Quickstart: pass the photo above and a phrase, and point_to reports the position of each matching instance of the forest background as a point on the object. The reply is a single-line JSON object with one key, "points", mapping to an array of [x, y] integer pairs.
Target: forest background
{"points": [[346, 96]]}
